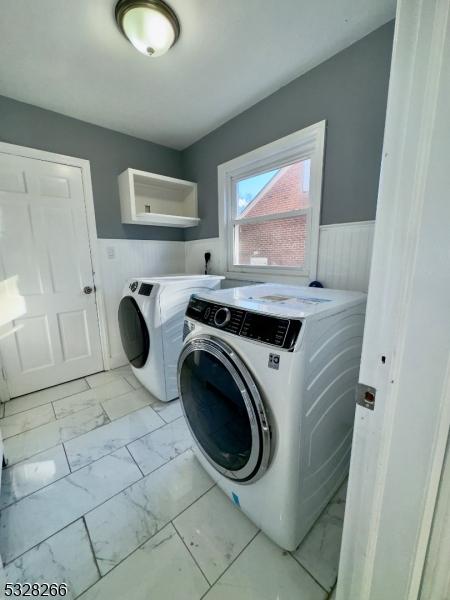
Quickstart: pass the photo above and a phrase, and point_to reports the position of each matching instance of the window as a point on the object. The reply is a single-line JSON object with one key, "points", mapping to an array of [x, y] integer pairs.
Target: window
{"points": [[263, 233], [270, 207]]}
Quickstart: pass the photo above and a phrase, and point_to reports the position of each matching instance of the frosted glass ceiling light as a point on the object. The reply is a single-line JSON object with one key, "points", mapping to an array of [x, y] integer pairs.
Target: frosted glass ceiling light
{"points": [[150, 25]]}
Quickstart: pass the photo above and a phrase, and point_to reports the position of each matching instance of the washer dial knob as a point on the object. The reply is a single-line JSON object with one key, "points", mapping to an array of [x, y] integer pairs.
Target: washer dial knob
{"points": [[222, 316]]}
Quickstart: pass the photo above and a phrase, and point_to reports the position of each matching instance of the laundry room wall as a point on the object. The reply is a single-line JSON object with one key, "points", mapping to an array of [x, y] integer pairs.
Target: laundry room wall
{"points": [[125, 251], [345, 252], [121, 260], [109, 153], [349, 91]]}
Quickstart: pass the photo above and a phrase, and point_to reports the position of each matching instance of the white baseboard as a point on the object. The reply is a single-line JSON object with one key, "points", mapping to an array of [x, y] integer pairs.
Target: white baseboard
{"points": [[117, 361]]}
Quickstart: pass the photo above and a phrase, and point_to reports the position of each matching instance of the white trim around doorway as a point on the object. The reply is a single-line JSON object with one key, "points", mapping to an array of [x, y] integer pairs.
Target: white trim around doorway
{"points": [[399, 446], [85, 167]]}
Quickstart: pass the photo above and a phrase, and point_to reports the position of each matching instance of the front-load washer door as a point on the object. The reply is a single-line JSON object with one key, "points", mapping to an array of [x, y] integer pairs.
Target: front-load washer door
{"points": [[133, 332], [224, 409]]}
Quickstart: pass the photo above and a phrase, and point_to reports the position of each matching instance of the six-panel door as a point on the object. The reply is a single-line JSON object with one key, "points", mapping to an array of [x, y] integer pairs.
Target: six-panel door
{"points": [[51, 334]]}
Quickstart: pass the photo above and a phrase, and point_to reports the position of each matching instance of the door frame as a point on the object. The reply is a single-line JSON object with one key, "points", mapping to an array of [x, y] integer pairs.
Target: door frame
{"points": [[85, 167], [436, 577], [399, 447]]}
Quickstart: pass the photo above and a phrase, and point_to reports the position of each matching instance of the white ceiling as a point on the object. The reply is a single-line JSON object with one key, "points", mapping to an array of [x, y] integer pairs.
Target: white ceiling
{"points": [[69, 56]]}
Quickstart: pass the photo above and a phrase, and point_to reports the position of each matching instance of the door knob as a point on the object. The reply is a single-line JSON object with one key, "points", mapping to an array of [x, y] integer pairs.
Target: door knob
{"points": [[88, 289]]}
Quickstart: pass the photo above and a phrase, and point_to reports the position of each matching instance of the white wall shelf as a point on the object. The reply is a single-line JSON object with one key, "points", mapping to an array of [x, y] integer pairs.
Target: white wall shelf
{"points": [[151, 199]]}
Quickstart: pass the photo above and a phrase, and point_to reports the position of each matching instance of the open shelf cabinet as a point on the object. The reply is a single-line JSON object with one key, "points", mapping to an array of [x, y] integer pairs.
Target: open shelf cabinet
{"points": [[151, 199]]}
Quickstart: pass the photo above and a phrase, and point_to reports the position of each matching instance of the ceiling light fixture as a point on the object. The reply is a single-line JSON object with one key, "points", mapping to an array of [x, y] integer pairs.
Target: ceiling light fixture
{"points": [[150, 25]]}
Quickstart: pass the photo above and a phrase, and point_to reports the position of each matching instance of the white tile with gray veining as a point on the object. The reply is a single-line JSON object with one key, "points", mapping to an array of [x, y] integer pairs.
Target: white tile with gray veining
{"points": [[24, 421], [89, 447], [26, 445], [215, 532], [160, 446], [31, 475], [73, 404], [133, 380], [160, 569], [102, 378], [264, 570], [65, 557], [44, 396], [82, 422], [114, 388], [123, 371], [104, 393], [123, 523], [139, 554], [127, 403], [319, 551], [40, 515], [169, 411]]}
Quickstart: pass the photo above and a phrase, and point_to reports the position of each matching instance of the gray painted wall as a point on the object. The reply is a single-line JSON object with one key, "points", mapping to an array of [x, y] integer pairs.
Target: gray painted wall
{"points": [[109, 153], [350, 92]]}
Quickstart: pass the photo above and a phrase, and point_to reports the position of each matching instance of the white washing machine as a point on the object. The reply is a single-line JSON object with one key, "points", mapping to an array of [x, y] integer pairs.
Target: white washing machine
{"points": [[151, 314], [267, 379]]}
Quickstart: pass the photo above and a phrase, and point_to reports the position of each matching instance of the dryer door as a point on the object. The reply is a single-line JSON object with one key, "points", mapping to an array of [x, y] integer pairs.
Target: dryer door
{"points": [[224, 409], [133, 332]]}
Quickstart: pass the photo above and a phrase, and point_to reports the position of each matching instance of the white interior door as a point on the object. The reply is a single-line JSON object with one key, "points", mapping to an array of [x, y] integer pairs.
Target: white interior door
{"points": [[45, 265]]}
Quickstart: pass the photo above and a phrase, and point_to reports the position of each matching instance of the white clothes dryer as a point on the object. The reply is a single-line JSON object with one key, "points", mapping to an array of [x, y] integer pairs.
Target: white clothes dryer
{"points": [[267, 378], [151, 314]]}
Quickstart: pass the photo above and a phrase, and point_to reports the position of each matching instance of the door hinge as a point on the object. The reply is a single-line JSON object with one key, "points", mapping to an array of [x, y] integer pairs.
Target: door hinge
{"points": [[365, 395]]}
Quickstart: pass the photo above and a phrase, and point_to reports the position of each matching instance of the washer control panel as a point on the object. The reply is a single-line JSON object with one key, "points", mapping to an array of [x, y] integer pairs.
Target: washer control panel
{"points": [[222, 317], [275, 331]]}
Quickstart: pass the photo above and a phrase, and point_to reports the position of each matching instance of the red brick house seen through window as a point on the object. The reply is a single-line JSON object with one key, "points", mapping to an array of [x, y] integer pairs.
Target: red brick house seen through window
{"points": [[278, 242]]}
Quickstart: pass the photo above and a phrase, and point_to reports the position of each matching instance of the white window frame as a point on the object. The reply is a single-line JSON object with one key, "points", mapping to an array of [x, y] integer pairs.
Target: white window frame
{"points": [[308, 143]]}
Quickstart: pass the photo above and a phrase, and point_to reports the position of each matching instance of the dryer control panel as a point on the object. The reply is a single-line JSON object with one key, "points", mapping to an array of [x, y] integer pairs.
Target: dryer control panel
{"points": [[275, 331], [144, 289]]}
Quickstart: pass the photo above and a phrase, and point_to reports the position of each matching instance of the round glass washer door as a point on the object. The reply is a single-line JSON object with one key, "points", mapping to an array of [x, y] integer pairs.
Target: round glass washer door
{"points": [[224, 409], [133, 332]]}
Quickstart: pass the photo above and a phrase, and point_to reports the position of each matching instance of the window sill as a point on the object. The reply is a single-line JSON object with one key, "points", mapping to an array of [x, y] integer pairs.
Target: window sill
{"points": [[251, 276]]}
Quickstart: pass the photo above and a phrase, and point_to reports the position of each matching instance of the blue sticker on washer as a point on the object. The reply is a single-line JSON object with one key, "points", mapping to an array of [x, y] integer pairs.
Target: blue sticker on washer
{"points": [[235, 499]]}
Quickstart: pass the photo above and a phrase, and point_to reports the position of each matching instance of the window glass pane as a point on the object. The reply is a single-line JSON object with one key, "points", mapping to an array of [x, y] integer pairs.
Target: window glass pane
{"points": [[276, 191], [281, 242]]}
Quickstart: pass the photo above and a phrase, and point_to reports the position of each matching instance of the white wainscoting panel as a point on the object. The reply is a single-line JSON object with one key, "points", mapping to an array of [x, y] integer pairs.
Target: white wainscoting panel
{"points": [[345, 253], [344, 263], [195, 256], [123, 259]]}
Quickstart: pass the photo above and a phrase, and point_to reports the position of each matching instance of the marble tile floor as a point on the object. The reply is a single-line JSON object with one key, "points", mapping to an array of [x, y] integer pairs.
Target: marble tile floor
{"points": [[103, 493]]}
